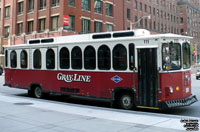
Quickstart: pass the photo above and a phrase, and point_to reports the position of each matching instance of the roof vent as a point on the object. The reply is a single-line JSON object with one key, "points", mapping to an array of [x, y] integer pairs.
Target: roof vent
{"points": [[49, 40], [101, 36], [123, 34], [35, 41]]}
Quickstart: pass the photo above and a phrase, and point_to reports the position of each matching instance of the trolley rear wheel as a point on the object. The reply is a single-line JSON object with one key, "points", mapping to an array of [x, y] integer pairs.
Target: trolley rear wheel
{"points": [[37, 92]]}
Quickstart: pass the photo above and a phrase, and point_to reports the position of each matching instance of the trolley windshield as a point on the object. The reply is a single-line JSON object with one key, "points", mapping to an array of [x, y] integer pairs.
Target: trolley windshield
{"points": [[171, 56]]}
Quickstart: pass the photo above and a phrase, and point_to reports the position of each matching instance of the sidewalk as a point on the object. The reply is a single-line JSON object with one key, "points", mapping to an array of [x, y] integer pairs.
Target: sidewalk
{"points": [[22, 114]]}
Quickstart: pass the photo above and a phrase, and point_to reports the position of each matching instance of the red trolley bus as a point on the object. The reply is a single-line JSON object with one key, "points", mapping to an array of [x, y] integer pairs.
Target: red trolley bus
{"points": [[129, 68]]}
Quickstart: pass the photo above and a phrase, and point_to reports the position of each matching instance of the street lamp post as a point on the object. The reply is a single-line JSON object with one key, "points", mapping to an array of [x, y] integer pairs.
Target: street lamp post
{"points": [[131, 24]]}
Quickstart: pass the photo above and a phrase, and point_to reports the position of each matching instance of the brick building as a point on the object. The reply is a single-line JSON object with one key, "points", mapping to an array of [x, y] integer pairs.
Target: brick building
{"points": [[21, 20], [189, 13]]}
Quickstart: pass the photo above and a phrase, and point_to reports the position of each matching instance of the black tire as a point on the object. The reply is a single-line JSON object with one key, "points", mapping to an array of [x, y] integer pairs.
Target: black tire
{"points": [[37, 92], [126, 101]]}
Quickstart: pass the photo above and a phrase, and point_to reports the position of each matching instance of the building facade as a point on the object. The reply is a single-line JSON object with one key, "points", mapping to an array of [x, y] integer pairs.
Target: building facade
{"points": [[21, 20]]}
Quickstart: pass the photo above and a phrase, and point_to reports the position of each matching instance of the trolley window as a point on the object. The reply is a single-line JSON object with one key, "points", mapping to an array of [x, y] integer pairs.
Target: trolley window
{"points": [[64, 58], [186, 55], [37, 59], [24, 59], [131, 56], [50, 59], [89, 58], [119, 57], [104, 62], [6, 58], [13, 59], [76, 58], [171, 56]]}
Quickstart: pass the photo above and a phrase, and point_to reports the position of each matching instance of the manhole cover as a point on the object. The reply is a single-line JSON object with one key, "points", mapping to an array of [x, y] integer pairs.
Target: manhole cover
{"points": [[23, 103]]}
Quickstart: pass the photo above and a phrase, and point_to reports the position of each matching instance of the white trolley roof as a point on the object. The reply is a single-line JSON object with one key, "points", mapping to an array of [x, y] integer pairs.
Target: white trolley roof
{"points": [[104, 36]]}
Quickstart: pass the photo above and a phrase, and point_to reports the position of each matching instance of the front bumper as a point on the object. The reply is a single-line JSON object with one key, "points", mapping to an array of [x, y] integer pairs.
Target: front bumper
{"points": [[180, 102]]}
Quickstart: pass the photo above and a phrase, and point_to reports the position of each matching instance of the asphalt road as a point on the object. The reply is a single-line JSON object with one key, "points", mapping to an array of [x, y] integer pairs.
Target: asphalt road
{"points": [[193, 110]]}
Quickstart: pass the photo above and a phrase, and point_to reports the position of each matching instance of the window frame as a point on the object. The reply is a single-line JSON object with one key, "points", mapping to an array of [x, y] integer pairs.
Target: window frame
{"points": [[104, 58], [30, 5], [20, 7], [37, 65], [117, 55], [13, 61], [85, 5], [50, 59], [88, 60], [109, 9], [76, 59], [64, 59], [24, 60], [189, 65], [56, 24], [7, 12]]}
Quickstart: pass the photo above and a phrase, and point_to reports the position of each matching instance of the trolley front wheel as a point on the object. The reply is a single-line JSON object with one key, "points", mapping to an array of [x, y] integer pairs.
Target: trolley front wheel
{"points": [[126, 101]]}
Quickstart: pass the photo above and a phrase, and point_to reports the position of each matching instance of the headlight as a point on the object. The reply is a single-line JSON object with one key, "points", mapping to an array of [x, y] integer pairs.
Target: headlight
{"points": [[171, 90]]}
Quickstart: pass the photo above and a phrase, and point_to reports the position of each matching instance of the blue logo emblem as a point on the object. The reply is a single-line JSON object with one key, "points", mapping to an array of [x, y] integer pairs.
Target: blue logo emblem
{"points": [[116, 79]]}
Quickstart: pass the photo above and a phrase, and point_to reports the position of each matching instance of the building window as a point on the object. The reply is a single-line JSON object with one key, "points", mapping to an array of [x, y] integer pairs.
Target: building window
{"points": [[42, 4], [54, 23], [64, 58], [13, 59], [182, 31], [150, 25], [37, 59], [154, 11], [109, 27], [89, 58], [128, 14], [119, 57], [109, 9], [98, 6], [145, 8], [6, 31], [19, 28], [181, 9], [136, 21], [30, 5], [20, 8], [7, 11], [50, 59], [157, 12], [181, 20], [71, 23], [140, 6], [42, 24], [145, 23], [104, 60], [149, 9], [85, 26], [154, 25], [141, 22], [72, 3], [85, 5], [76, 55], [30, 26], [135, 4], [24, 59], [131, 56], [55, 3], [98, 26]]}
